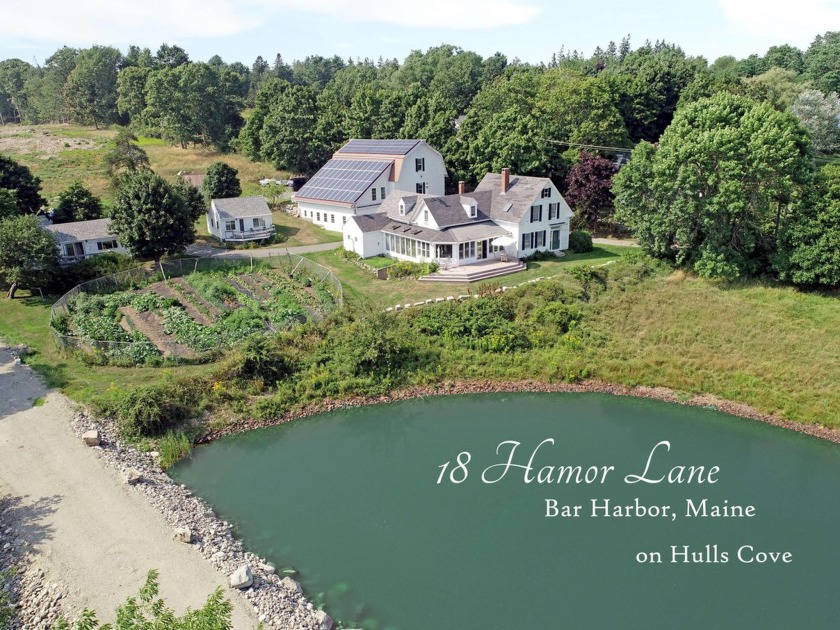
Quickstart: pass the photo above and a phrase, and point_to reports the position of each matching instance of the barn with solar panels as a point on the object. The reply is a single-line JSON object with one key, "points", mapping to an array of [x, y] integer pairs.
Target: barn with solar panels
{"points": [[362, 173]]}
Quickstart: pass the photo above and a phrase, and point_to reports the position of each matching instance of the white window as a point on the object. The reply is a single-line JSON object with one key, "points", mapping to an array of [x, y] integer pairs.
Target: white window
{"points": [[343, 220], [373, 194], [332, 218], [536, 213], [259, 223], [230, 226], [419, 165], [473, 211], [553, 211], [382, 193], [546, 193], [402, 208], [425, 216], [420, 188], [68, 249], [106, 245]]}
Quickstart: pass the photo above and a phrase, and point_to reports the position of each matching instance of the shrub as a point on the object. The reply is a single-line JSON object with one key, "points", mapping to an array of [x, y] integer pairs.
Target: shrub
{"points": [[580, 242], [150, 411], [540, 255], [408, 269]]}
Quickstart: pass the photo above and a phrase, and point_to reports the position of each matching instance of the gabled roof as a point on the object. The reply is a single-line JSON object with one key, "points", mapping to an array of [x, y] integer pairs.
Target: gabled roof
{"points": [[76, 231], [342, 181], [371, 222], [446, 210], [520, 194], [396, 148], [241, 207], [458, 234]]}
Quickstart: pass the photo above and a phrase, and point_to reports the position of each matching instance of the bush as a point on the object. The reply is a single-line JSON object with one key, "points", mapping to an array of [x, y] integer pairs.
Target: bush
{"points": [[580, 242], [408, 269], [540, 255], [150, 411]]}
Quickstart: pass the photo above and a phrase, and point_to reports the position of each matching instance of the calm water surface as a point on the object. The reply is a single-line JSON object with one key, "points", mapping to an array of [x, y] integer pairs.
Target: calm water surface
{"points": [[350, 500]]}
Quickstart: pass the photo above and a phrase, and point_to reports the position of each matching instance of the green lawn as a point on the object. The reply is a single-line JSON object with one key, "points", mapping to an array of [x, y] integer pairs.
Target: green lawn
{"points": [[297, 231], [360, 285], [25, 320]]}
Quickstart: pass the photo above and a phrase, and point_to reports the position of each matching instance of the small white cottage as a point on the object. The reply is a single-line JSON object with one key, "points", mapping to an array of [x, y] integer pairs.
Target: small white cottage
{"points": [[240, 219], [78, 240]]}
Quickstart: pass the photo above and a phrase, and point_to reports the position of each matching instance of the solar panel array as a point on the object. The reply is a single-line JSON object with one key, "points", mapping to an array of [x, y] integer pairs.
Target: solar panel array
{"points": [[383, 147], [343, 180]]}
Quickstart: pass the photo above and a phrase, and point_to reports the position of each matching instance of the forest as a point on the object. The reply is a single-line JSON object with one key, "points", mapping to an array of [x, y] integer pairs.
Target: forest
{"points": [[771, 119]]}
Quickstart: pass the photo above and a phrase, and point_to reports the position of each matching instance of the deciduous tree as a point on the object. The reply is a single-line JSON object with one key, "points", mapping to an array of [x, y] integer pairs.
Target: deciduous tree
{"points": [[588, 189], [125, 156], [28, 253], [76, 203], [718, 190], [820, 115], [19, 178], [221, 182], [91, 89], [151, 217]]}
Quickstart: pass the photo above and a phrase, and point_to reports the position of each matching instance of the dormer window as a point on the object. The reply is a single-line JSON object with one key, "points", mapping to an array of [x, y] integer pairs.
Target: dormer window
{"points": [[546, 193], [473, 211]]}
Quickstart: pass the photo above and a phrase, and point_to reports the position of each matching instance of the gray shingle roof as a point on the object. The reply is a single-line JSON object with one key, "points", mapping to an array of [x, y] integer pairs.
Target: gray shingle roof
{"points": [[520, 194], [371, 222], [458, 234], [81, 230], [241, 207], [447, 210]]}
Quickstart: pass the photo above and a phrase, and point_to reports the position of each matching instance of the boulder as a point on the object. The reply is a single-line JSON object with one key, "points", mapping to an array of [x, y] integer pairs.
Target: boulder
{"points": [[92, 438], [183, 534], [132, 477], [268, 569], [323, 620], [242, 577], [290, 584]]}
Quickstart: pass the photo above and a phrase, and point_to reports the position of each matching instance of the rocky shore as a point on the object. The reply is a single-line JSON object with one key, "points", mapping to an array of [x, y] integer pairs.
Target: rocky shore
{"points": [[487, 386], [278, 601]]}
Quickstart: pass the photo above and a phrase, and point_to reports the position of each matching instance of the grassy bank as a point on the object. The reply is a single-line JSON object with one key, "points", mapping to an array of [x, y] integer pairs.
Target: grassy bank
{"points": [[772, 347]]}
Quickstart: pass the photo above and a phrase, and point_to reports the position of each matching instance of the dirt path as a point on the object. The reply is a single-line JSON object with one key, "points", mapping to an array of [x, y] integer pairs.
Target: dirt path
{"points": [[149, 324], [91, 532], [163, 290]]}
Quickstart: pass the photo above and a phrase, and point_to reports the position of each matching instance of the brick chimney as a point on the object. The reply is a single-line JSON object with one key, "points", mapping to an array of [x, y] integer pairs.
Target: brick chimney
{"points": [[461, 187], [505, 180]]}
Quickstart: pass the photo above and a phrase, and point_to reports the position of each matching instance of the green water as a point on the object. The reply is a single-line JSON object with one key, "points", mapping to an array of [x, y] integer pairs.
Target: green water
{"points": [[350, 500]]}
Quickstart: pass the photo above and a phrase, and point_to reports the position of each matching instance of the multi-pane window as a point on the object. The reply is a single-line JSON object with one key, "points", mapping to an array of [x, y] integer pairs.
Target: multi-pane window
{"points": [[318, 216], [536, 213], [419, 164], [230, 226], [532, 240], [343, 220], [466, 250], [373, 194], [420, 187], [259, 223], [425, 216], [105, 245], [332, 218], [546, 192], [382, 193], [553, 211]]}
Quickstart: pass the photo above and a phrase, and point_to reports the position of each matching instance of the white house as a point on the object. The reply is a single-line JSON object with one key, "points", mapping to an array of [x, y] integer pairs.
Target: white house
{"points": [[362, 173], [78, 240], [504, 217], [240, 219]]}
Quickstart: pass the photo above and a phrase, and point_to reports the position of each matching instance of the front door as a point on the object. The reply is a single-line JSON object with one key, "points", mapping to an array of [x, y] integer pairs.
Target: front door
{"points": [[482, 250], [555, 239]]}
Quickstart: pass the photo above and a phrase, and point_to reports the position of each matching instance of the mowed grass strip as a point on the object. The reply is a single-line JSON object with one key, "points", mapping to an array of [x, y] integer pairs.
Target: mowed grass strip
{"points": [[772, 347]]}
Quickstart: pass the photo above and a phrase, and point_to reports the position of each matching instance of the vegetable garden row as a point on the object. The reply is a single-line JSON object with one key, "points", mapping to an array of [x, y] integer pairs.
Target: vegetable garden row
{"points": [[190, 316]]}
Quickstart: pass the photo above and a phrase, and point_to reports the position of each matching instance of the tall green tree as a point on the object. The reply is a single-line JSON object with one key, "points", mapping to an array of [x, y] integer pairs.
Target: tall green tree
{"points": [[171, 56], [28, 253], [151, 216], [287, 136], [221, 181], [19, 178], [91, 89], [14, 102], [822, 62], [720, 188], [76, 203], [8, 203], [810, 245], [776, 86]]}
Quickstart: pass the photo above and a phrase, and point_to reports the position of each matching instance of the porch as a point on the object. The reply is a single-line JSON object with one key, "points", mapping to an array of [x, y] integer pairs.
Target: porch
{"points": [[474, 272], [236, 236]]}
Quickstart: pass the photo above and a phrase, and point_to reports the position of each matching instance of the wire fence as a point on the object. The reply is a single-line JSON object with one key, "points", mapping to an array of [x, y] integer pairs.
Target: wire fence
{"points": [[137, 351]]}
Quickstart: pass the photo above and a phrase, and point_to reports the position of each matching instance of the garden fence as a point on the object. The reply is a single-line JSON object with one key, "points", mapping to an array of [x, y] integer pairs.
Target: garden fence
{"points": [[147, 274]]}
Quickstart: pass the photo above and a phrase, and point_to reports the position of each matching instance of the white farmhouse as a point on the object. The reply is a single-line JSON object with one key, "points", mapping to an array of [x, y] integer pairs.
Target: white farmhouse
{"points": [[505, 218], [240, 219], [362, 173], [78, 240]]}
